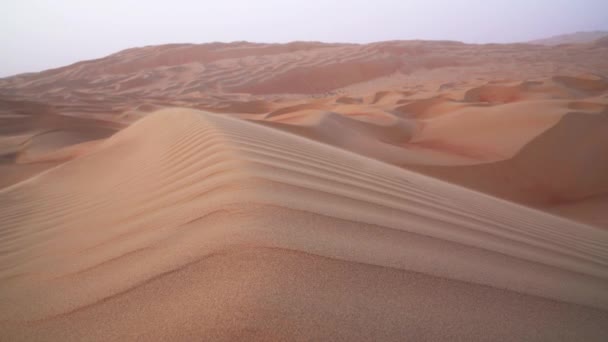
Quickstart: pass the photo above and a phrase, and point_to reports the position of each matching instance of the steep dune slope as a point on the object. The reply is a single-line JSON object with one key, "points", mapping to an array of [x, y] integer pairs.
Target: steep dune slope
{"points": [[34, 138], [191, 224], [565, 165]]}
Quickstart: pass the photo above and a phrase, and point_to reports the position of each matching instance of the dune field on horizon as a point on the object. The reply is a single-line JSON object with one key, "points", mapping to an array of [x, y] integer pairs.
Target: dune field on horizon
{"points": [[393, 191]]}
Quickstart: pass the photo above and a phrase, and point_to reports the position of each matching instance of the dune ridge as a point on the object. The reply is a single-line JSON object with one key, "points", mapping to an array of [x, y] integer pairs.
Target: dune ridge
{"points": [[238, 219], [572, 38], [402, 190]]}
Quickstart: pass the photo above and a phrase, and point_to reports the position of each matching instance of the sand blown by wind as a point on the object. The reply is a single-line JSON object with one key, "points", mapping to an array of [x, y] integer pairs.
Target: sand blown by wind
{"points": [[309, 192]]}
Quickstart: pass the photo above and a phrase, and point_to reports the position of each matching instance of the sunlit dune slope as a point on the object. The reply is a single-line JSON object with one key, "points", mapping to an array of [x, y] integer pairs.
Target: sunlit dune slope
{"points": [[190, 224], [499, 137]]}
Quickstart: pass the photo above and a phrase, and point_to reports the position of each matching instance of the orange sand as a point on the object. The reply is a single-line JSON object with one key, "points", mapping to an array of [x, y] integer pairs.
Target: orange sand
{"points": [[307, 191]]}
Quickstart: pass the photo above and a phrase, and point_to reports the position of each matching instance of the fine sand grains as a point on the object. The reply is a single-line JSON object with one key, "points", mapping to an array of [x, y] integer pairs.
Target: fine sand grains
{"points": [[190, 225]]}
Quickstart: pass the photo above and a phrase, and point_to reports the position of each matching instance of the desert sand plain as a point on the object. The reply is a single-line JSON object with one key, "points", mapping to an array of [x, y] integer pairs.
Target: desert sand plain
{"points": [[406, 190]]}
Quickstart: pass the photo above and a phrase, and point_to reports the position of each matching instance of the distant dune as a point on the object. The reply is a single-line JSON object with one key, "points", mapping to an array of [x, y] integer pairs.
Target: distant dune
{"points": [[405, 190], [572, 38]]}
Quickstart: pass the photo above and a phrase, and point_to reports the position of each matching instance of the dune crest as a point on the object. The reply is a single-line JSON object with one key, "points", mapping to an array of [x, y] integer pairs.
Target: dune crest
{"points": [[207, 202], [404, 190]]}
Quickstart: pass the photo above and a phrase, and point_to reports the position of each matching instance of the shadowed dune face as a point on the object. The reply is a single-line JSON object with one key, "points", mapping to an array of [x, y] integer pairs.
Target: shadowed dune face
{"points": [[559, 166], [34, 138], [308, 191]]}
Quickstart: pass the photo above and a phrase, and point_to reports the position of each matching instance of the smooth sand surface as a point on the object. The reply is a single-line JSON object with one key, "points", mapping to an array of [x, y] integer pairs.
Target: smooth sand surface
{"points": [[307, 191]]}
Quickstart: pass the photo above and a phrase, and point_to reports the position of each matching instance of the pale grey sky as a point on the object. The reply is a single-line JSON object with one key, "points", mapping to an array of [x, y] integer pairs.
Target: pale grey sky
{"points": [[41, 34]]}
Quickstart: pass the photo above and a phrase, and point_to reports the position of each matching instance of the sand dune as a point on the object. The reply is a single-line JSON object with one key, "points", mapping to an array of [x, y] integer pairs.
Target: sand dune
{"points": [[231, 215], [559, 167], [572, 38], [308, 191]]}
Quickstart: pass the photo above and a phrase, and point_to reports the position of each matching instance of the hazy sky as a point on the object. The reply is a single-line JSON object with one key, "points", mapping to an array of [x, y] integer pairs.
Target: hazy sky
{"points": [[42, 34]]}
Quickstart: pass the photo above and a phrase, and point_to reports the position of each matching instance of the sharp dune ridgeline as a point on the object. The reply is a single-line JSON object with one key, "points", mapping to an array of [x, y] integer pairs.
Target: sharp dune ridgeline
{"points": [[307, 191]]}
